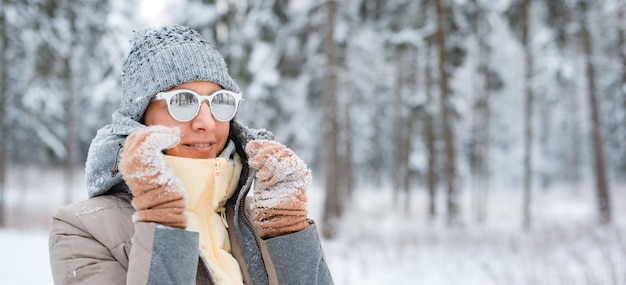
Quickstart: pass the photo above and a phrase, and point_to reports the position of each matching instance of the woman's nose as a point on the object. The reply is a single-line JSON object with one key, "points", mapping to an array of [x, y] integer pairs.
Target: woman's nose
{"points": [[204, 120]]}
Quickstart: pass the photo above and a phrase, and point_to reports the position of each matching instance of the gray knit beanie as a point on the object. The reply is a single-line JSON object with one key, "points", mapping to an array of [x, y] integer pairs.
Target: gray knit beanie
{"points": [[163, 58]]}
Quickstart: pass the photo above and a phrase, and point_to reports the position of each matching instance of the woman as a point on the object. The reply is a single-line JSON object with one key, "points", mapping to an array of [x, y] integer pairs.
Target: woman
{"points": [[169, 178]]}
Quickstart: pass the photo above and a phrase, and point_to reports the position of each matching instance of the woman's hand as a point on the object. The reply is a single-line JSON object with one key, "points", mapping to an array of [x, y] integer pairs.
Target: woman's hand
{"points": [[280, 188], [158, 196]]}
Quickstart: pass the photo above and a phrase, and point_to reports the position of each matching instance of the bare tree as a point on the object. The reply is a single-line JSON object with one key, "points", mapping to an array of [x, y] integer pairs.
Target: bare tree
{"points": [[4, 43], [528, 112], [70, 130], [398, 127], [447, 116], [406, 72], [377, 156], [68, 106], [345, 138], [602, 187], [574, 157], [332, 203], [430, 139], [347, 157], [401, 123], [622, 54], [411, 119], [481, 129]]}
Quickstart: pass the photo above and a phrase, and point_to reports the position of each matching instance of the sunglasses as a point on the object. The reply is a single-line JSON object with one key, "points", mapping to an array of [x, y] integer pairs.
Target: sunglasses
{"points": [[184, 105]]}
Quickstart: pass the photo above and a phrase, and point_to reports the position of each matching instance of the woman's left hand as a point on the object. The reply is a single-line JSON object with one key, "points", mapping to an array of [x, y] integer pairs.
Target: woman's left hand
{"points": [[280, 188]]}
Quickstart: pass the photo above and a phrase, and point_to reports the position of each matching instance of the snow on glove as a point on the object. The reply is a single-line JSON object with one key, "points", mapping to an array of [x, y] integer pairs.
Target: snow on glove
{"points": [[280, 188], [158, 196]]}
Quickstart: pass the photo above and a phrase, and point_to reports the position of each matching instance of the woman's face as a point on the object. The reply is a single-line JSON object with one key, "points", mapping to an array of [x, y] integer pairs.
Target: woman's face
{"points": [[203, 136]]}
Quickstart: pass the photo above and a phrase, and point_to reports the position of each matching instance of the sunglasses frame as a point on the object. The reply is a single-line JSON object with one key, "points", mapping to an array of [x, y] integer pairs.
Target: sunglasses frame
{"points": [[168, 95]]}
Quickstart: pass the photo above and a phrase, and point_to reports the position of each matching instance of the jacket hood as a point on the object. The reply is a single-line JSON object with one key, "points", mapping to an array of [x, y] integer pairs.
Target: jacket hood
{"points": [[107, 148]]}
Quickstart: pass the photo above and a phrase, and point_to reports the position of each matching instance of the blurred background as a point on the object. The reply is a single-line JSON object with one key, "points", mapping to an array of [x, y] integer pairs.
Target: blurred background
{"points": [[452, 141]]}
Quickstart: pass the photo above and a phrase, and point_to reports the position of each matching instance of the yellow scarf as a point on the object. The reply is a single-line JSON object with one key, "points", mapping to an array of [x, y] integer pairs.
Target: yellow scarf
{"points": [[209, 183]]}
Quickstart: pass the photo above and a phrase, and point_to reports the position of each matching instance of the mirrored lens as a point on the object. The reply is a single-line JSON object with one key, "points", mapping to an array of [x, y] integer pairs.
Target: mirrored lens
{"points": [[223, 106], [184, 106]]}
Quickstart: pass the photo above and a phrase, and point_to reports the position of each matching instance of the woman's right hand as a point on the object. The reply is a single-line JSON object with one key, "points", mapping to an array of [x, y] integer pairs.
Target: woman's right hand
{"points": [[158, 196]]}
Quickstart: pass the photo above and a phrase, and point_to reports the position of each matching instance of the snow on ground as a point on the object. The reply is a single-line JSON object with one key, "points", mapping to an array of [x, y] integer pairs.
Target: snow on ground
{"points": [[379, 243], [24, 257]]}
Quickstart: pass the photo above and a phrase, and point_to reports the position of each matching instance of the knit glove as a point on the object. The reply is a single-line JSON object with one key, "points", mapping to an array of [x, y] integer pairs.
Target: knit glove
{"points": [[158, 196], [280, 188]]}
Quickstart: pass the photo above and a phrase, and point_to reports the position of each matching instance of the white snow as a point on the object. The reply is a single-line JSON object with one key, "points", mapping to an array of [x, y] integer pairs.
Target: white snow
{"points": [[24, 257]]}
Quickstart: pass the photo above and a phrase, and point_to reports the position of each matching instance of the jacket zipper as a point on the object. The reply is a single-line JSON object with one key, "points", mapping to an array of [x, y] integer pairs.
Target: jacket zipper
{"points": [[242, 202], [217, 172], [115, 170]]}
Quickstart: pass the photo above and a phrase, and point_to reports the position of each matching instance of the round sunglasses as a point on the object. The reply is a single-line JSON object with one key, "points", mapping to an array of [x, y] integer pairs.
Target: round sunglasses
{"points": [[184, 104]]}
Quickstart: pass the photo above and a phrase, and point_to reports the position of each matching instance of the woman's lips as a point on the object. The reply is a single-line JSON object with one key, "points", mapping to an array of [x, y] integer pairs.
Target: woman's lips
{"points": [[204, 145], [200, 147]]}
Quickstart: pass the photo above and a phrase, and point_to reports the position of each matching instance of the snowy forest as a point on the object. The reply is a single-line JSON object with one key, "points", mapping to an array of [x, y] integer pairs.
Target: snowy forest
{"points": [[451, 141]]}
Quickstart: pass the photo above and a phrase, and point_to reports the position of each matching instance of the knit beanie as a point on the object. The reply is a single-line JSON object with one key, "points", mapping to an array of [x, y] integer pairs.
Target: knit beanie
{"points": [[163, 58]]}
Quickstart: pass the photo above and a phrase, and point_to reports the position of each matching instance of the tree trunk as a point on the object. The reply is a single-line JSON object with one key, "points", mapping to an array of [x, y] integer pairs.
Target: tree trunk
{"points": [[399, 128], [430, 141], [452, 201], [602, 188], [4, 43], [528, 114], [482, 115], [68, 106], [347, 157], [408, 173], [332, 203], [377, 157], [622, 48], [413, 65], [543, 139], [574, 158]]}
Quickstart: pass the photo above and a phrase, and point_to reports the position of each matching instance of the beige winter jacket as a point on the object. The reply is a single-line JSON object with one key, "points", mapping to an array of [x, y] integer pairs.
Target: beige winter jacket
{"points": [[96, 242]]}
